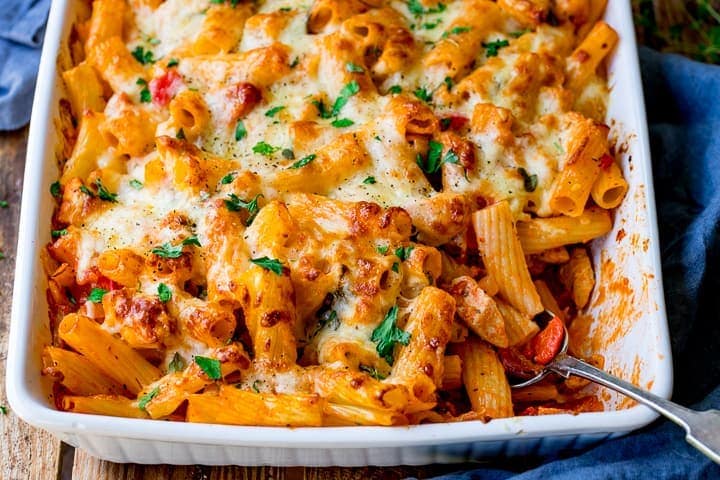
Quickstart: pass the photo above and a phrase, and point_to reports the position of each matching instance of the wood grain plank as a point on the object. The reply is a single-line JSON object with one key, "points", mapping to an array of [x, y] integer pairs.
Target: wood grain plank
{"points": [[88, 468], [26, 453]]}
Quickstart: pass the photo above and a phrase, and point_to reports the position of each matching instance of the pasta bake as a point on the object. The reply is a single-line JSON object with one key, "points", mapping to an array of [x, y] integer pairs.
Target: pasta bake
{"points": [[328, 212]]}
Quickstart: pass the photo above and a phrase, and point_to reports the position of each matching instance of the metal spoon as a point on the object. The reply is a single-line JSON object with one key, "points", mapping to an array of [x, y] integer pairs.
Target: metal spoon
{"points": [[702, 428]]}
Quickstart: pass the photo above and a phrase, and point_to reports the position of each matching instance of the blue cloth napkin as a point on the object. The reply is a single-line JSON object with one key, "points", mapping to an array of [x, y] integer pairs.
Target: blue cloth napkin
{"points": [[684, 117], [22, 26]]}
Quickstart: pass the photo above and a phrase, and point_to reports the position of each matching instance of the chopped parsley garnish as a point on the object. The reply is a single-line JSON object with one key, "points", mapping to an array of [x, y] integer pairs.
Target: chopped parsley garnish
{"points": [[450, 157], [180, 135], [530, 182], [2, 255], [369, 181], [448, 81], [432, 163], [177, 364], [104, 193], [288, 154], [342, 123], [519, 33], [422, 94], [493, 47], [87, 191], [210, 366], [431, 25], [256, 385], [417, 8], [145, 399], [55, 189], [143, 56], [59, 233], [303, 161], [395, 267], [96, 295], [372, 371], [456, 31], [145, 95], [351, 67], [227, 178], [322, 110], [4, 204], [168, 250], [382, 249], [329, 319], [3, 409], [264, 148], [164, 293], [136, 184], [403, 253], [295, 62], [272, 264], [235, 204], [347, 91], [273, 111], [240, 131], [395, 89], [387, 334], [174, 62], [558, 147], [445, 123]]}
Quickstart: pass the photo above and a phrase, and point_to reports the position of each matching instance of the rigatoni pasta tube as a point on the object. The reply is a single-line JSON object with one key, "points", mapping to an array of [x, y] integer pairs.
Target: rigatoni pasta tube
{"points": [[79, 375], [341, 415], [238, 407], [587, 56], [610, 186], [111, 405], [485, 381], [111, 355], [420, 364], [504, 258], [541, 234]]}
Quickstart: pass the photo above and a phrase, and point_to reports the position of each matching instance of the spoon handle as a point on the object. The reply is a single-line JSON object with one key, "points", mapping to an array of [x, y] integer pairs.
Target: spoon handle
{"points": [[702, 428]]}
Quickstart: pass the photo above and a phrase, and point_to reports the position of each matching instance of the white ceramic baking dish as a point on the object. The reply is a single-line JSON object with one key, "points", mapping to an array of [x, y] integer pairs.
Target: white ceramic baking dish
{"points": [[630, 328]]}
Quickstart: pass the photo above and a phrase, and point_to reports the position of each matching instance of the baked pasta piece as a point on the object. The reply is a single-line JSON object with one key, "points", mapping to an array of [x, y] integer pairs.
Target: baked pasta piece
{"points": [[328, 212]]}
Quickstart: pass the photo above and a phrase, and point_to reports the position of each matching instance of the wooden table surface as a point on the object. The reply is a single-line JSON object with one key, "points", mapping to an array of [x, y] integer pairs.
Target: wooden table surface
{"points": [[30, 453]]}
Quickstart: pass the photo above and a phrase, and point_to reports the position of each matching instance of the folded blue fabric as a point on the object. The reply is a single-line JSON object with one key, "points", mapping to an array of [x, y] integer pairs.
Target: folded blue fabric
{"points": [[22, 26], [683, 116]]}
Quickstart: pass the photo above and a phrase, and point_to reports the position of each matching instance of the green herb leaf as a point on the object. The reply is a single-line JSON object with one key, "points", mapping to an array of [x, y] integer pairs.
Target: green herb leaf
{"points": [[456, 31], [519, 33], [387, 334], [264, 148], [145, 96], [422, 94], [210, 366], [329, 319], [342, 123], [273, 111], [558, 147], [295, 62], [4, 204], [3, 409], [448, 81], [55, 189], [395, 89], [372, 371], [192, 240], [493, 47], [240, 131], [167, 250], [350, 67], [450, 157], [369, 181], [395, 267], [303, 161], [177, 364], [164, 293], [136, 184], [382, 249], [272, 264], [145, 399], [174, 62], [350, 89], [403, 253], [432, 163], [58, 233], [322, 110], [256, 386], [235, 204], [180, 135], [104, 193], [96, 294], [143, 56], [87, 191], [530, 182], [227, 178], [288, 154], [417, 8]]}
